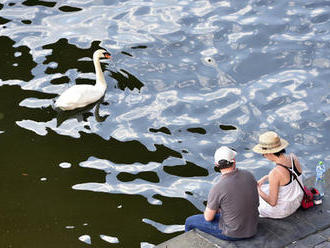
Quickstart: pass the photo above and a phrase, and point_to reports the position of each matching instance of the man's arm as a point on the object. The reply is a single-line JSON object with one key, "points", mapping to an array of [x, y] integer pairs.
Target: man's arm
{"points": [[209, 214]]}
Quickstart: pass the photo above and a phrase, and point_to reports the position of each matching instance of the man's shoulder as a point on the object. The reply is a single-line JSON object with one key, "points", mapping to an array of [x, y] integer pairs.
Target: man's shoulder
{"points": [[246, 173], [220, 183], [243, 171]]}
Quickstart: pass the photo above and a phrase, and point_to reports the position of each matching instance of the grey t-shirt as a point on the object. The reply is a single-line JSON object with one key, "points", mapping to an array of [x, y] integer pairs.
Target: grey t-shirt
{"points": [[236, 195]]}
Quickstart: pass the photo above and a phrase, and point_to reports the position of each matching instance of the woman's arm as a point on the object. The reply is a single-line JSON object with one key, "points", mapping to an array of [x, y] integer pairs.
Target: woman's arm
{"points": [[274, 184], [262, 180]]}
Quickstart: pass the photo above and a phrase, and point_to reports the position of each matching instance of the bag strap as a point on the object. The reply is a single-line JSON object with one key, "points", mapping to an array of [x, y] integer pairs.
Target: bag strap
{"points": [[294, 174]]}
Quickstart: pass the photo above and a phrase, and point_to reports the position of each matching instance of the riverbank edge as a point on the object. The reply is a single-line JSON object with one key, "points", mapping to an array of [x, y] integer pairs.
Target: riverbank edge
{"points": [[305, 228]]}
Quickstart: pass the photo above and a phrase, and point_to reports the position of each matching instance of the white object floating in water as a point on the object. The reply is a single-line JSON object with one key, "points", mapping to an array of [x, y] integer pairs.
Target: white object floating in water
{"points": [[210, 61], [120, 206], [65, 165], [109, 239], [70, 227], [43, 179], [86, 239], [79, 96]]}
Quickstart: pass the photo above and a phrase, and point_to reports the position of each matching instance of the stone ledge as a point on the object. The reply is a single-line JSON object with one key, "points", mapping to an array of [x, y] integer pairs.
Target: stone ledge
{"points": [[305, 228]]}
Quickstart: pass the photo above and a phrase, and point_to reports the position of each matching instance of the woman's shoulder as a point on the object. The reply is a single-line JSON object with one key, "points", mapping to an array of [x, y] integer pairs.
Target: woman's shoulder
{"points": [[296, 162], [277, 172], [294, 156]]}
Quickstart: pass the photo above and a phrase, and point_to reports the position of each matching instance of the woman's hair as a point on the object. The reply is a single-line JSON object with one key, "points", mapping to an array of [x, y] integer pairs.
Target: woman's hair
{"points": [[223, 164], [277, 154]]}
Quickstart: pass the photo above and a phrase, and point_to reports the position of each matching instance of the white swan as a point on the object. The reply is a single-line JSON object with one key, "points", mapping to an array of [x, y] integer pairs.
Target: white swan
{"points": [[79, 96]]}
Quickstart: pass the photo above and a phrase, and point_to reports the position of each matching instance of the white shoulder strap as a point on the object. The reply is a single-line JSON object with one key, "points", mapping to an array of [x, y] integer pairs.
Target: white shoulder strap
{"points": [[292, 169]]}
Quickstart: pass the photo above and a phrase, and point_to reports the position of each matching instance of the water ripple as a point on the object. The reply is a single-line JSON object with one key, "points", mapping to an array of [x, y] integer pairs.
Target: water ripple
{"points": [[186, 77]]}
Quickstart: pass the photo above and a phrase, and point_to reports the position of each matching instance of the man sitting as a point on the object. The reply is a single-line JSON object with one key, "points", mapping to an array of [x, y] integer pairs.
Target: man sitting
{"points": [[232, 207]]}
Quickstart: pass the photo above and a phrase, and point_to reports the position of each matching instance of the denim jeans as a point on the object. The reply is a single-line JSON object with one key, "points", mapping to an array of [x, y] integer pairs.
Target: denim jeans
{"points": [[210, 227]]}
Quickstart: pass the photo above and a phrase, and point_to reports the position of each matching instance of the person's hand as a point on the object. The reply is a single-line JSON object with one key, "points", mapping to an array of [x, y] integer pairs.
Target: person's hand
{"points": [[260, 192], [262, 180], [259, 186]]}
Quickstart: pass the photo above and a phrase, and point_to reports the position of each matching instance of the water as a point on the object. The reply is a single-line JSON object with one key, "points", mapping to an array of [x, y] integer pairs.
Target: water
{"points": [[187, 77]]}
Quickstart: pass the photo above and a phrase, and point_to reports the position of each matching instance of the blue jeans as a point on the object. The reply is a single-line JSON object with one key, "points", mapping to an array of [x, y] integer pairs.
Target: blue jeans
{"points": [[210, 227]]}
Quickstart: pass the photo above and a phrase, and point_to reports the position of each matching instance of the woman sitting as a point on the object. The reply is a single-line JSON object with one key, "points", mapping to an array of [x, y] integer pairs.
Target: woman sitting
{"points": [[283, 195]]}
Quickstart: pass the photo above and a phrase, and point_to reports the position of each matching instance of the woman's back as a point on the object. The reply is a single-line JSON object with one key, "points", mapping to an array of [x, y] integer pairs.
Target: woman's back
{"points": [[285, 164], [289, 193]]}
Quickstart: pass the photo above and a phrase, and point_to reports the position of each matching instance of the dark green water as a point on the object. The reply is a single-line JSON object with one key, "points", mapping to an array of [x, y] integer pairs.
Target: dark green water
{"points": [[185, 78]]}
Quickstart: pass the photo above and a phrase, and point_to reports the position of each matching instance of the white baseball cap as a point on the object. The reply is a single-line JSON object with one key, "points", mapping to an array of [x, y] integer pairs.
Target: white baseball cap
{"points": [[224, 153]]}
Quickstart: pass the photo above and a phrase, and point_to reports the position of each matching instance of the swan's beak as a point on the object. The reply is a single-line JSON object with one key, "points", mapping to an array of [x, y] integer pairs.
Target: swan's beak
{"points": [[107, 56]]}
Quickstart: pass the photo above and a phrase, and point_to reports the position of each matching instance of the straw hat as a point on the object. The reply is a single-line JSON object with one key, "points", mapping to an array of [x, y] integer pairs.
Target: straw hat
{"points": [[270, 142]]}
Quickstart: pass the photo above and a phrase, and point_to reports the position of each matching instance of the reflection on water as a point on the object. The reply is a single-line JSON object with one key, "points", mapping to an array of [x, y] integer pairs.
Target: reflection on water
{"points": [[37, 2], [82, 114], [145, 175], [67, 56], [126, 80], [17, 61], [185, 78]]}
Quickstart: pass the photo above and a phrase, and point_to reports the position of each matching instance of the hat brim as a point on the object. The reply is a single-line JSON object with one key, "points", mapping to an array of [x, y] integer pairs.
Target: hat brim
{"points": [[258, 148]]}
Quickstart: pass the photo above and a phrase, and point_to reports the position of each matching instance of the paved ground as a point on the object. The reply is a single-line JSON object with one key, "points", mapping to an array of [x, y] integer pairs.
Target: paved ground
{"points": [[306, 228]]}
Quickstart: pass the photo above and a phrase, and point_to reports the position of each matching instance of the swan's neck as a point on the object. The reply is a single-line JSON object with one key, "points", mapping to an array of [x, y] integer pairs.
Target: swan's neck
{"points": [[100, 81]]}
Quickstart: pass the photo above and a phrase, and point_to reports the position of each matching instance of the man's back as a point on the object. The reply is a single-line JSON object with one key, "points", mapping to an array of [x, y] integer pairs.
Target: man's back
{"points": [[237, 198]]}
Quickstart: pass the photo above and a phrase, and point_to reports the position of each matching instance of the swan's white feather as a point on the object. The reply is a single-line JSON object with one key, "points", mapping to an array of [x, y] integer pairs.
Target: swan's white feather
{"points": [[79, 96]]}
